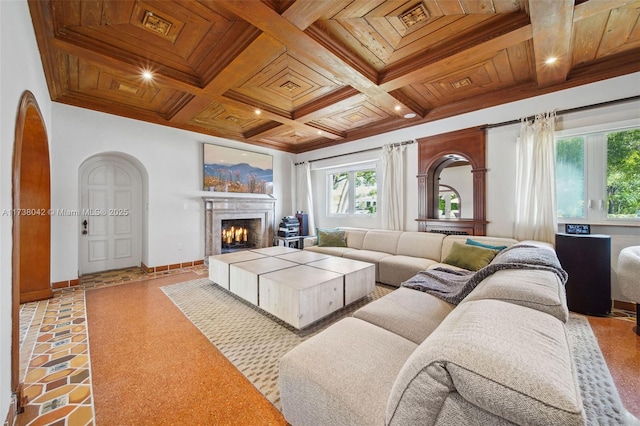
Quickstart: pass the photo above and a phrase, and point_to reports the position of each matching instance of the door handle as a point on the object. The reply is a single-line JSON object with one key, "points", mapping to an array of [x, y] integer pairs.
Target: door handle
{"points": [[84, 227]]}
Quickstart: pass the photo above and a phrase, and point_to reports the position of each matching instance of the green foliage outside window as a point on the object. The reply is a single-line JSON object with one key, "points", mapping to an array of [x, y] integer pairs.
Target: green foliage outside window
{"points": [[623, 174]]}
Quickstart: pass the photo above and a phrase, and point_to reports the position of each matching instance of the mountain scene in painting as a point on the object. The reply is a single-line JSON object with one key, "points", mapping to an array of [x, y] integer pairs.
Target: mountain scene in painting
{"points": [[234, 170]]}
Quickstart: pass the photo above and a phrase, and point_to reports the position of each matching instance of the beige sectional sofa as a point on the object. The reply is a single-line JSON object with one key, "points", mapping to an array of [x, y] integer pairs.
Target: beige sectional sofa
{"points": [[500, 357], [398, 255]]}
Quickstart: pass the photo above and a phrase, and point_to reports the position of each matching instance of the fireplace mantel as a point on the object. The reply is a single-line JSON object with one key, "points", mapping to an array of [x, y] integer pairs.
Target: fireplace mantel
{"points": [[219, 208]]}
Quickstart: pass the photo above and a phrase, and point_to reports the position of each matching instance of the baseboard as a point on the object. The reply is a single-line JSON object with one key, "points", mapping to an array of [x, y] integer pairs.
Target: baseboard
{"points": [[171, 267], [34, 296], [65, 284], [626, 306]]}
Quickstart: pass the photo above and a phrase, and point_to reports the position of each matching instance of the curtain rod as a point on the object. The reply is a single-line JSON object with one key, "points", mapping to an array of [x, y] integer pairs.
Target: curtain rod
{"points": [[566, 111], [357, 152]]}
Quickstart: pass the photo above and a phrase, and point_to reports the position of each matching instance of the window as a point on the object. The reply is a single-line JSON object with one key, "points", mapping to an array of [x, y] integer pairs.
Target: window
{"points": [[353, 192], [598, 175]]}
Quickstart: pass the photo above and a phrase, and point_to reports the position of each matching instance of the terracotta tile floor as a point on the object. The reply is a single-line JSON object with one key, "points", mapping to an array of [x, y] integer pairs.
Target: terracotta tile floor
{"points": [[57, 369], [54, 350]]}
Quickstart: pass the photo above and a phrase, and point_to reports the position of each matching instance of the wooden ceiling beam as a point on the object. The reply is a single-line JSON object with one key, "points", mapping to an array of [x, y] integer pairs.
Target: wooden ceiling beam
{"points": [[266, 19], [552, 29], [262, 50]]}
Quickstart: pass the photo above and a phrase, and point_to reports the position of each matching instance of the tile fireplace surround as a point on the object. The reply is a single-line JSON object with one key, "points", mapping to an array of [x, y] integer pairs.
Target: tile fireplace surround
{"points": [[217, 209]]}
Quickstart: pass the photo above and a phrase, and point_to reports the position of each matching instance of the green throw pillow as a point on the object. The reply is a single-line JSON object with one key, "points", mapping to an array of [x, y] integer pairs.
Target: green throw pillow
{"points": [[469, 257], [331, 238], [483, 245]]}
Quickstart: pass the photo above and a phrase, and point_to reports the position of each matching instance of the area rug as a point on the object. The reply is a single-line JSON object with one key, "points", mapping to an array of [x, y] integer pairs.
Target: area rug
{"points": [[254, 341]]}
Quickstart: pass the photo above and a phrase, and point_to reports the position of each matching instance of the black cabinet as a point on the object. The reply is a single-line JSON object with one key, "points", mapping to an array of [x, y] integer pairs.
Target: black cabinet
{"points": [[587, 260]]}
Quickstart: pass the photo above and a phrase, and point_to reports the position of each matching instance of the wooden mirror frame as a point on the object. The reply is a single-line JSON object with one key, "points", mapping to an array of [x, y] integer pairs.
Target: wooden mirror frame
{"points": [[433, 157]]}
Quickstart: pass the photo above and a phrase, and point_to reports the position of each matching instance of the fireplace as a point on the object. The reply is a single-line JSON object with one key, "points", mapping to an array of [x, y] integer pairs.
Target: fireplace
{"points": [[240, 234], [254, 214]]}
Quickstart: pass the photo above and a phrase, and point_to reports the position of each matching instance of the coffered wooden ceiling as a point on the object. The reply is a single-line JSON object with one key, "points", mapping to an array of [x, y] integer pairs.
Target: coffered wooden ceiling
{"points": [[323, 72]]}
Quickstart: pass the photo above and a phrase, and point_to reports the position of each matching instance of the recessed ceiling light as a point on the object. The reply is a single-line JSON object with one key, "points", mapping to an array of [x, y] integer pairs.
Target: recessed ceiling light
{"points": [[147, 75], [410, 115], [258, 112], [397, 107], [319, 132], [551, 60]]}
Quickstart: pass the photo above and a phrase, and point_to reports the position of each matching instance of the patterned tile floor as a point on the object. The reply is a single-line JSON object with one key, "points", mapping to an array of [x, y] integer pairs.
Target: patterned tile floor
{"points": [[54, 350]]}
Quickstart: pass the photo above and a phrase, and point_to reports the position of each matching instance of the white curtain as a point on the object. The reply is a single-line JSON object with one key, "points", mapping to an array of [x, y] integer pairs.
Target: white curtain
{"points": [[304, 194], [392, 187], [536, 214]]}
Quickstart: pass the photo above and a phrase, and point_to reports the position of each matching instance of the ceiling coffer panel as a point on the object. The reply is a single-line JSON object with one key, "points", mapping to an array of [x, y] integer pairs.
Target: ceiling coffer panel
{"points": [[353, 114], [301, 75], [289, 135], [218, 117], [111, 86], [287, 84]]}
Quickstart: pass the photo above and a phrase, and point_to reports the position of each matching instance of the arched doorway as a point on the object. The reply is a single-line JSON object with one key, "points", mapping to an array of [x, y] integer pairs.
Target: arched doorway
{"points": [[111, 222], [31, 251]]}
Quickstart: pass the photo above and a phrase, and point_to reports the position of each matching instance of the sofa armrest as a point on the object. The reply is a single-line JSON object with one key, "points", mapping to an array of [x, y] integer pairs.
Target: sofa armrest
{"points": [[310, 241], [505, 360]]}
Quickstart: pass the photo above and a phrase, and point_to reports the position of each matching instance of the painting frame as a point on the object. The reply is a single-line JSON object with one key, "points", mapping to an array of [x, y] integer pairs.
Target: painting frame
{"points": [[226, 169]]}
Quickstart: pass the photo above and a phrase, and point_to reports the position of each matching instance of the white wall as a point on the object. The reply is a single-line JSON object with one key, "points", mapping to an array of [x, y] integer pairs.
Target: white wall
{"points": [[20, 70], [172, 159]]}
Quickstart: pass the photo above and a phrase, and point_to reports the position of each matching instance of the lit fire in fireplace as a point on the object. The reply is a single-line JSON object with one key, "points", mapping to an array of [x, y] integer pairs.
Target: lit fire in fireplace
{"points": [[234, 235]]}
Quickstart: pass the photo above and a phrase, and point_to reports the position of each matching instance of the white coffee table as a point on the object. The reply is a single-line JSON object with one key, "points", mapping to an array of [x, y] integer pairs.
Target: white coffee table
{"points": [[274, 250], [244, 277], [219, 265], [359, 277], [302, 256], [301, 295]]}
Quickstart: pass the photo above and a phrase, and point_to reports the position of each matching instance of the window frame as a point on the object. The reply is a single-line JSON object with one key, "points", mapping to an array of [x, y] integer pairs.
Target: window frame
{"points": [[595, 171], [351, 170]]}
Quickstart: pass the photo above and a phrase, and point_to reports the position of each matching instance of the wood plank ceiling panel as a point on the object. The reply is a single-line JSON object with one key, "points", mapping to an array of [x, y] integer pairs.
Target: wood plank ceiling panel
{"points": [[298, 75]]}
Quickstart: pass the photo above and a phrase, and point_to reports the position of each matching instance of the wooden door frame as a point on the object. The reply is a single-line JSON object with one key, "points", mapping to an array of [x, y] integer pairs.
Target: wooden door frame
{"points": [[30, 138]]}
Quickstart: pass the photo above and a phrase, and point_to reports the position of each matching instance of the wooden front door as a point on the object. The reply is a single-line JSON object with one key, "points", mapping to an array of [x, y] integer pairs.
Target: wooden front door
{"points": [[110, 229]]}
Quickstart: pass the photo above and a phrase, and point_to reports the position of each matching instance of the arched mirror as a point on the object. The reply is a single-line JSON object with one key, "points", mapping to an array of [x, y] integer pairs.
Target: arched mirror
{"points": [[451, 183], [455, 194]]}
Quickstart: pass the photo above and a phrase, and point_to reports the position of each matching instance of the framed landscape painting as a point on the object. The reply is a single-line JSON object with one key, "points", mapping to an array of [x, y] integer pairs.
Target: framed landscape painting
{"points": [[236, 170]]}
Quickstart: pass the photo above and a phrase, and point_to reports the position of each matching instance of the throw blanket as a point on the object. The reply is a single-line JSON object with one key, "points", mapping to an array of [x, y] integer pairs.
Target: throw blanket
{"points": [[452, 285]]}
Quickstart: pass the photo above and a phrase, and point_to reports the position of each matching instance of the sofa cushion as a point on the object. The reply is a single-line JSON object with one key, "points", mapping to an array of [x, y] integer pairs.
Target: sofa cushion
{"points": [[368, 256], [540, 290], [427, 245], [447, 243], [409, 313], [355, 237], [381, 240], [333, 251], [331, 238], [469, 257], [394, 270], [471, 242], [354, 365], [506, 359]]}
